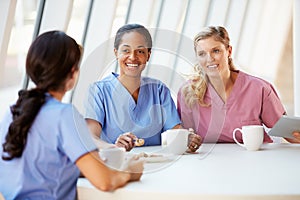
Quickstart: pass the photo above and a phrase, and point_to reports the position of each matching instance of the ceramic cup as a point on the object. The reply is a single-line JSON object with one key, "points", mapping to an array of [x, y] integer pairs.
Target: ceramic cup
{"points": [[113, 157], [252, 136], [175, 140]]}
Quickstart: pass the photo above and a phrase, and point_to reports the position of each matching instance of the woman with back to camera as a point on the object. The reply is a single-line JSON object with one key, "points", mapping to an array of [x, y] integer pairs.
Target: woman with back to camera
{"points": [[46, 143], [219, 98], [124, 107]]}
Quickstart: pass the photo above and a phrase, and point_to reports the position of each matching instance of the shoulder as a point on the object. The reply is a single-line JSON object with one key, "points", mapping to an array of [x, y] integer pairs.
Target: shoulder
{"points": [[103, 84], [108, 79], [59, 113], [55, 109], [254, 81], [5, 121], [152, 82], [53, 106], [184, 88], [187, 83]]}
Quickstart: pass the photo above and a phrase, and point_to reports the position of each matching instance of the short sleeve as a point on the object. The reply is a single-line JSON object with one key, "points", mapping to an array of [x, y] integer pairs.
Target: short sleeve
{"points": [[94, 106], [185, 113], [74, 139], [170, 112], [272, 108]]}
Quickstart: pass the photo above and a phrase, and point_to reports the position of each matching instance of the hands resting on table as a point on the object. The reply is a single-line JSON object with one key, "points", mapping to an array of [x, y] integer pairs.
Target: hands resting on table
{"points": [[107, 179], [195, 140], [129, 140], [133, 168]]}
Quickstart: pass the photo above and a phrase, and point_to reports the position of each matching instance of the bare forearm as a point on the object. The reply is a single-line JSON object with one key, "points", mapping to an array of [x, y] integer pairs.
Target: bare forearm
{"points": [[100, 175], [102, 144]]}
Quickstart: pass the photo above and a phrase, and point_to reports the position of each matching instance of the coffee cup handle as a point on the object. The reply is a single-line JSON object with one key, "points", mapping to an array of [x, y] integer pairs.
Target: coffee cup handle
{"points": [[234, 138]]}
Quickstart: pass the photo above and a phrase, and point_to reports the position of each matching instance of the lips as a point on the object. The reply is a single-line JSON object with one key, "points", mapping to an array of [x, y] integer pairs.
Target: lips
{"points": [[131, 65], [212, 66]]}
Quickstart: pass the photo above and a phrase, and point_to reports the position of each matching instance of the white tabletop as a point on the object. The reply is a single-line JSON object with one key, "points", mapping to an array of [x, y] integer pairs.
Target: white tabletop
{"points": [[221, 171]]}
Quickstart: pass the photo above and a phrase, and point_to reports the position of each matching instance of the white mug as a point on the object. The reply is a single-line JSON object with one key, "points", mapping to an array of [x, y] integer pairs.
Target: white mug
{"points": [[113, 157], [252, 135], [175, 140]]}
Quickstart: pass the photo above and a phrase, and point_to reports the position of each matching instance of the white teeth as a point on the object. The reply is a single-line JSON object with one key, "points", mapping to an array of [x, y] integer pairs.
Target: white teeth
{"points": [[212, 66], [132, 65]]}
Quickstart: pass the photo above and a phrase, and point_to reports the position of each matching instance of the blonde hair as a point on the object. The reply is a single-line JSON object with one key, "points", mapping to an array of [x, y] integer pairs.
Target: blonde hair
{"points": [[194, 92]]}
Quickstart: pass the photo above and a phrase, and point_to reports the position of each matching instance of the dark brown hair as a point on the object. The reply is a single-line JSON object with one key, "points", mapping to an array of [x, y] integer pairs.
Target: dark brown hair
{"points": [[50, 60], [127, 28]]}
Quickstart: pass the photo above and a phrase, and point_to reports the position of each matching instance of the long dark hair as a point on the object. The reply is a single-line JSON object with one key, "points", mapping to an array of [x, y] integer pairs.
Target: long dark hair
{"points": [[50, 60], [127, 28]]}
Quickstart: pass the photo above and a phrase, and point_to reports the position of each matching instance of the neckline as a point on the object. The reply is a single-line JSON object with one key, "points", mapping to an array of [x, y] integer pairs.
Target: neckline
{"points": [[120, 86], [218, 100]]}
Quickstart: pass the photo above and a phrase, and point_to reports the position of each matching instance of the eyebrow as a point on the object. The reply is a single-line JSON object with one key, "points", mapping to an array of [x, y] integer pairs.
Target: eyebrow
{"points": [[126, 45], [215, 47]]}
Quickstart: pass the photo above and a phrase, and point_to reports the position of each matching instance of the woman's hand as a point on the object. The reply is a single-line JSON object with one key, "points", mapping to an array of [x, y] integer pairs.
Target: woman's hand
{"points": [[135, 167], [194, 141], [126, 140], [296, 135], [296, 138]]}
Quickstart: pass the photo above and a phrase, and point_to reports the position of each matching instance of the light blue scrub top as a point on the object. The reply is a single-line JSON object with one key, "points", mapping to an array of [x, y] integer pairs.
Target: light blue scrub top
{"points": [[110, 104], [46, 170]]}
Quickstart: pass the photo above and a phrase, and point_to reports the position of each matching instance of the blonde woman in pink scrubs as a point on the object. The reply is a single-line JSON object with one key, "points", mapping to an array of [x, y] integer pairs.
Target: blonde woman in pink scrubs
{"points": [[219, 98]]}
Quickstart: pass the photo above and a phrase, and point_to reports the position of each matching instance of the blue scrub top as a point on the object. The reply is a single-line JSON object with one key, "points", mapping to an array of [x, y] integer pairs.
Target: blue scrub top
{"points": [[110, 104], [47, 170]]}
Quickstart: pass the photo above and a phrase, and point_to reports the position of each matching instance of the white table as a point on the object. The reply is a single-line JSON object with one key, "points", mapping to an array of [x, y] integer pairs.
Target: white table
{"points": [[221, 171]]}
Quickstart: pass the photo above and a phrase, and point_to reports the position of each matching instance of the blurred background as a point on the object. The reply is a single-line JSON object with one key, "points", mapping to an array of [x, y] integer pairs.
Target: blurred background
{"points": [[261, 33]]}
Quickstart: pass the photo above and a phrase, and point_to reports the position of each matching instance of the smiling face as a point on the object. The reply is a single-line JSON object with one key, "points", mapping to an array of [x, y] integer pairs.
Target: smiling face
{"points": [[132, 54], [213, 57]]}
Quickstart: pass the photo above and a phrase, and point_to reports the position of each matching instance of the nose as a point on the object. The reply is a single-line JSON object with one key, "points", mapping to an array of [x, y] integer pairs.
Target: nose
{"points": [[132, 55], [210, 57]]}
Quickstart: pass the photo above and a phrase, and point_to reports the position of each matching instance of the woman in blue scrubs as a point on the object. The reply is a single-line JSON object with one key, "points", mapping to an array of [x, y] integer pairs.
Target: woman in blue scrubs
{"points": [[124, 107], [46, 143]]}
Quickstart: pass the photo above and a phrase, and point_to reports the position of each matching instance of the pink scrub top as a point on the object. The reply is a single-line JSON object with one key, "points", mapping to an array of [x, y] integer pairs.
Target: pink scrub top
{"points": [[252, 101]]}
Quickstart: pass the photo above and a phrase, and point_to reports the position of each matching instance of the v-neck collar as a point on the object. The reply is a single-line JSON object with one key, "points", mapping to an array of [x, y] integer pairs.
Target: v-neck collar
{"points": [[217, 100], [122, 90]]}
